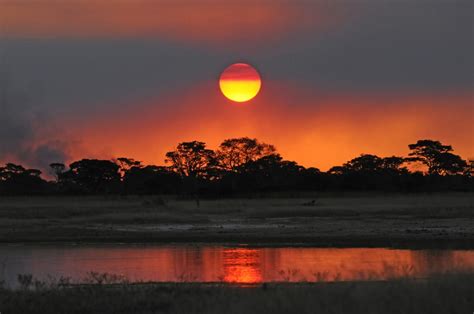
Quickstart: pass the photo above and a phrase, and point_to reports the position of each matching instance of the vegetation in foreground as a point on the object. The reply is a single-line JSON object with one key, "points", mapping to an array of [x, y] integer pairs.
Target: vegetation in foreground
{"points": [[441, 294]]}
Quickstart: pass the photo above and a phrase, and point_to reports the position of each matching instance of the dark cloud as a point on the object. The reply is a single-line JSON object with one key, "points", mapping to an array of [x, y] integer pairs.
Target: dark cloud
{"points": [[19, 130], [15, 126], [394, 45], [80, 75], [389, 45], [44, 154], [14, 130]]}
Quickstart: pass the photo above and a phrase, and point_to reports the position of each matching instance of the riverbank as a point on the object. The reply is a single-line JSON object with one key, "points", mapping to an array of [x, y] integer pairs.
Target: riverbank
{"points": [[440, 294], [394, 220]]}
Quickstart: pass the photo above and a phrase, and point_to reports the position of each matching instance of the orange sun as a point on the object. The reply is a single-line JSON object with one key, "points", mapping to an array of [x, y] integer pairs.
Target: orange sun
{"points": [[240, 82]]}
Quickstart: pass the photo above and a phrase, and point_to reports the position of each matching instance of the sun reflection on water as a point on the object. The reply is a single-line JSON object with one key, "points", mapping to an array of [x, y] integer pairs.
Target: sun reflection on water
{"points": [[239, 265], [242, 265]]}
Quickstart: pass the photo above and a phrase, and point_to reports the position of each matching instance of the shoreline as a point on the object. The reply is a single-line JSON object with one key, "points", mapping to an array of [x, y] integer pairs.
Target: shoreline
{"points": [[437, 221], [409, 244]]}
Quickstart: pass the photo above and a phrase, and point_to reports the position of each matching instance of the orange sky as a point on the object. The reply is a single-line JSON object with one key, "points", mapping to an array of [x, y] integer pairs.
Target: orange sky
{"points": [[134, 78], [314, 128], [209, 20]]}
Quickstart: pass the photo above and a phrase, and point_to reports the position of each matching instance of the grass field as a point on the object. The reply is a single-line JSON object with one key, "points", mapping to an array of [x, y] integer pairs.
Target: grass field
{"points": [[425, 220], [442, 294], [422, 220]]}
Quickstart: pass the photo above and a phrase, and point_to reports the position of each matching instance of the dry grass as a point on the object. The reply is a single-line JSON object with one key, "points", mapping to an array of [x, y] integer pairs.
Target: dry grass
{"points": [[441, 294], [396, 204], [395, 216]]}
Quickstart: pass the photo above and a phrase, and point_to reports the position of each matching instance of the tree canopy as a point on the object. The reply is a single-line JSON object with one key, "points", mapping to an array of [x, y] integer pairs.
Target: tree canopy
{"points": [[235, 152], [192, 159], [243, 165], [437, 157]]}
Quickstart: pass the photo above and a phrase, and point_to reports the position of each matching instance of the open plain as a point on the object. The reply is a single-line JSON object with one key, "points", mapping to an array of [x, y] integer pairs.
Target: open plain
{"points": [[350, 220]]}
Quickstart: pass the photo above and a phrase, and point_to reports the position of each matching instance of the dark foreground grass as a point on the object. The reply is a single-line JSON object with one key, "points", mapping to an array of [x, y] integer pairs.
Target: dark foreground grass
{"points": [[441, 294]]}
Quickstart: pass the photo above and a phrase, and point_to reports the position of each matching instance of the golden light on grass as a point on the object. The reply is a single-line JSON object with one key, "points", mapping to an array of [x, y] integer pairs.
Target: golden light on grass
{"points": [[240, 82]]}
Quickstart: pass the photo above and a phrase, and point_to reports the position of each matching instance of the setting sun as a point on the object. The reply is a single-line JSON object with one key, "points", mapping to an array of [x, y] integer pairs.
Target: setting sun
{"points": [[240, 82], [275, 156]]}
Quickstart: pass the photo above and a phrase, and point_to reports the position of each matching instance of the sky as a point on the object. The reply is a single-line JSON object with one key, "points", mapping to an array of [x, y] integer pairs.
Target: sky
{"points": [[105, 79]]}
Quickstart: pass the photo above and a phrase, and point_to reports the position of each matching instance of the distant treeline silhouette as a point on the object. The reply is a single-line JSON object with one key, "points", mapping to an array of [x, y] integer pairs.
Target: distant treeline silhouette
{"points": [[243, 166]]}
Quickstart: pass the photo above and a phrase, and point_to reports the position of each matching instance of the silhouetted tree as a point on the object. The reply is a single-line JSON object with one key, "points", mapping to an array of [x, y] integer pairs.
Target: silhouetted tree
{"points": [[57, 169], [451, 164], [470, 168], [195, 164], [370, 172], [93, 175], [15, 179], [437, 157], [235, 152], [192, 159], [371, 164], [364, 163], [394, 164], [152, 180], [125, 164], [311, 179], [337, 170], [244, 165], [11, 170], [269, 172]]}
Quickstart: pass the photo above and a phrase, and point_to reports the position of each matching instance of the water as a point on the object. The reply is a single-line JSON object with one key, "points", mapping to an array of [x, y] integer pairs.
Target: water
{"points": [[233, 264]]}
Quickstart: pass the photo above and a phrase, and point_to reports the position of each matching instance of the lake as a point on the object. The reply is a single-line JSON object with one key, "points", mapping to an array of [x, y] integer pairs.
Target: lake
{"points": [[231, 264]]}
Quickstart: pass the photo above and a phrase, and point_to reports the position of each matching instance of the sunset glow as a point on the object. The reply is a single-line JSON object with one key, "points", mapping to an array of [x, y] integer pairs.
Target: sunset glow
{"points": [[315, 129], [236, 156], [121, 79]]}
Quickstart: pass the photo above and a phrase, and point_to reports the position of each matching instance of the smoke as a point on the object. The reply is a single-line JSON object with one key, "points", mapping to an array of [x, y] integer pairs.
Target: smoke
{"points": [[22, 130], [44, 154]]}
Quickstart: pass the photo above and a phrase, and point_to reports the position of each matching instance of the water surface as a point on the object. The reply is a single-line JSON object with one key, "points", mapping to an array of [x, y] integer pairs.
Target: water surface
{"points": [[236, 264]]}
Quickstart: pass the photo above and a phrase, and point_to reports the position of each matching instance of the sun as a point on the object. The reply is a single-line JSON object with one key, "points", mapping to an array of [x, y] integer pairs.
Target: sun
{"points": [[240, 82]]}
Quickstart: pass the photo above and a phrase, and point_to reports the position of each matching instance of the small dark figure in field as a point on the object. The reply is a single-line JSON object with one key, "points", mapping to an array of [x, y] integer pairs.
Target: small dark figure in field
{"points": [[310, 203]]}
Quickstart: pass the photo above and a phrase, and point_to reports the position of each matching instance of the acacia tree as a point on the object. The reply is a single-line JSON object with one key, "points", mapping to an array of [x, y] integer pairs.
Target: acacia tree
{"points": [[193, 162], [470, 168], [151, 179], [12, 170], [269, 172], [57, 169], [236, 152], [365, 162], [125, 164], [437, 157], [371, 164], [93, 175], [394, 163], [15, 179], [192, 159]]}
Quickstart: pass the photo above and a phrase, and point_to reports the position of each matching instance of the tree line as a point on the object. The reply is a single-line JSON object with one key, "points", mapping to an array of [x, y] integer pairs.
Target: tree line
{"points": [[244, 166]]}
